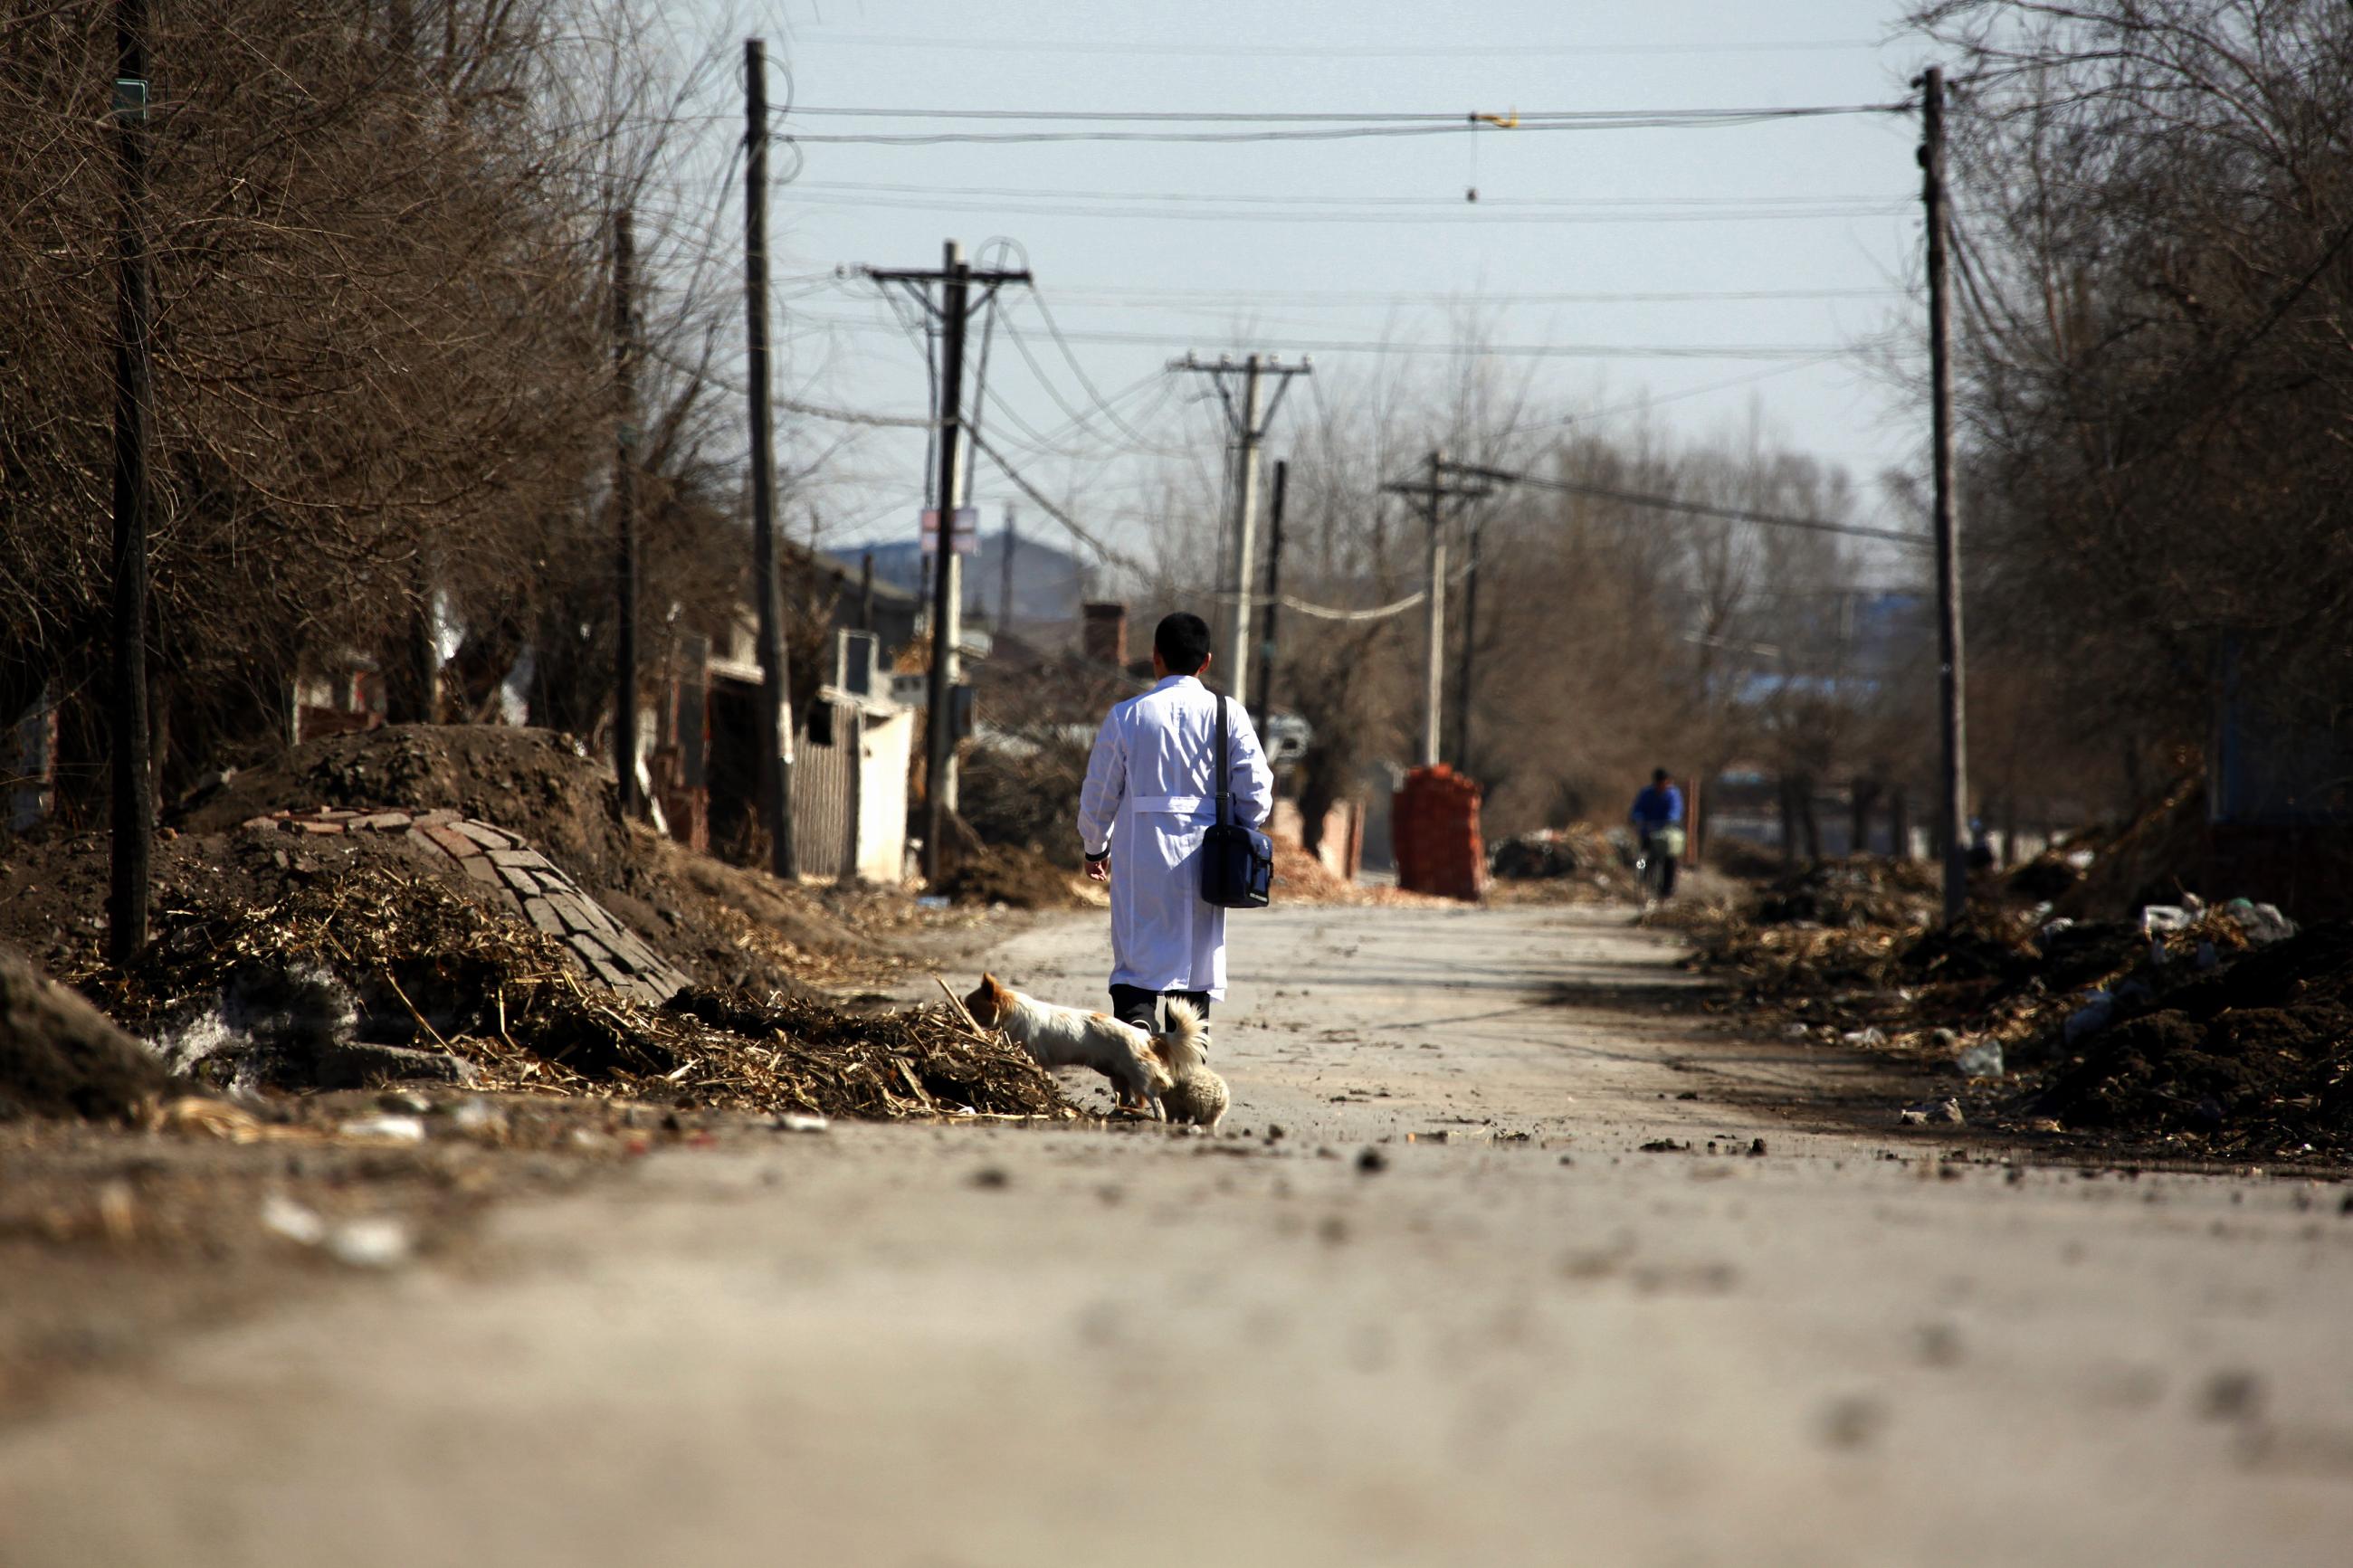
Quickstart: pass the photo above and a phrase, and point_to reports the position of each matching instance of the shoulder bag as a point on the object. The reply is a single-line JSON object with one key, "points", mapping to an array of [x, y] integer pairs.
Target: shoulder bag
{"points": [[1236, 862]]}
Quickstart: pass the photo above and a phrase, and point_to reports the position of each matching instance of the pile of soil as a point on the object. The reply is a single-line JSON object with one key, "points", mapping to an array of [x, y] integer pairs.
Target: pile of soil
{"points": [[61, 1059], [533, 783], [725, 925], [2256, 1060], [1013, 876], [1301, 878]]}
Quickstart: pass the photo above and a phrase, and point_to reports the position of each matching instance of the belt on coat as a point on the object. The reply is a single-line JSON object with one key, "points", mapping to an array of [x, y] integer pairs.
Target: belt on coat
{"points": [[1173, 804]]}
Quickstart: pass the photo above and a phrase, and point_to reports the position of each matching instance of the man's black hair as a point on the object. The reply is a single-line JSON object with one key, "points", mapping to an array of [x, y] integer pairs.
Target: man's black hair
{"points": [[1182, 641], [1657, 775]]}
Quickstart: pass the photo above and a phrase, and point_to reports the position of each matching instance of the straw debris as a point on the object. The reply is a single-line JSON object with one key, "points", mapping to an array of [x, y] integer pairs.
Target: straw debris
{"points": [[425, 963]]}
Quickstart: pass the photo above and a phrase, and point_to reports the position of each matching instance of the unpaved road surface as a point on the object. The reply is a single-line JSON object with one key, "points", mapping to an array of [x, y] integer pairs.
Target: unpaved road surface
{"points": [[949, 1346]]}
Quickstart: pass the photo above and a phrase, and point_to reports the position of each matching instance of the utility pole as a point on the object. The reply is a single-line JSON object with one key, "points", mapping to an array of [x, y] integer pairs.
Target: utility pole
{"points": [[1466, 654], [1433, 490], [1265, 703], [1005, 572], [624, 513], [775, 674], [956, 279], [1952, 792], [1433, 620], [132, 808], [1249, 420]]}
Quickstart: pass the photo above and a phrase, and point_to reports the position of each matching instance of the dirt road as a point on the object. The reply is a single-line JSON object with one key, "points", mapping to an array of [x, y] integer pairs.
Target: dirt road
{"points": [[937, 1346]]}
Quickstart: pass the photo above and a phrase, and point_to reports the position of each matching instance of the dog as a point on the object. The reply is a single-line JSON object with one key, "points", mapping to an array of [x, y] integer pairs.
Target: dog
{"points": [[1194, 1093], [1061, 1037]]}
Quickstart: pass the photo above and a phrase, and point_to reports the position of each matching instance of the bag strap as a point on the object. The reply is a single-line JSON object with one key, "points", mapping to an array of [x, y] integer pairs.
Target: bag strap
{"points": [[1225, 774]]}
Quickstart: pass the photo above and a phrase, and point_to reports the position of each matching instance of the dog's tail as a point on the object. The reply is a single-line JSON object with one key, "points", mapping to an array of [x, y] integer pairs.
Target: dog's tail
{"points": [[1181, 1045]]}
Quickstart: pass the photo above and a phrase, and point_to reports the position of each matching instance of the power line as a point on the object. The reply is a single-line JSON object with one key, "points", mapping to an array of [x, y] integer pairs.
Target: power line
{"points": [[1317, 199], [1513, 350], [1388, 127], [1520, 119], [1473, 214], [1693, 509], [1340, 51]]}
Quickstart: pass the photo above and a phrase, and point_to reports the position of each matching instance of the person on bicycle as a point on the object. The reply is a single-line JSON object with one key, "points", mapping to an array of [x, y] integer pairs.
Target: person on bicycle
{"points": [[1656, 809]]}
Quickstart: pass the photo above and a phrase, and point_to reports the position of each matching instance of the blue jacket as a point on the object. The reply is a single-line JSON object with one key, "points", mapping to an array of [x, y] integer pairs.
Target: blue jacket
{"points": [[1656, 807]]}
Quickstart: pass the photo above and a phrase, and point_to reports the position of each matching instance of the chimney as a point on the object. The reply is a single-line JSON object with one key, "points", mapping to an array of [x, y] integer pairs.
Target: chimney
{"points": [[1105, 639]]}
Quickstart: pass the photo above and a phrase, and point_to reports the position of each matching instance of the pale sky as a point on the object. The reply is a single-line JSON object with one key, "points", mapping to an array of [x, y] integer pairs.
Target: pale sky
{"points": [[1145, 250]]}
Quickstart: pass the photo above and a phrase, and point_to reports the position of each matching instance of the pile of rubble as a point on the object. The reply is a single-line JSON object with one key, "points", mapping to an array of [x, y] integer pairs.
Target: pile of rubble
{"points": [[1581, 856], [376, 973], [2220, 1031], [383, 908]]}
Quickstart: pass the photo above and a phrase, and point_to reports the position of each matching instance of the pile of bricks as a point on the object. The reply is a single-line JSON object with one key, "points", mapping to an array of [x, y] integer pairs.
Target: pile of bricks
{"points": [[1434, 830], [519, 877]]}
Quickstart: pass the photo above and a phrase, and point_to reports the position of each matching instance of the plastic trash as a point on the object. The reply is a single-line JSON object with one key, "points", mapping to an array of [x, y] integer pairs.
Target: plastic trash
{"points": [[2054, 927], [1980, 1059], [2259, 923], [794, 1121], [281, 1216], [369, 1243], [387, 1128], [2155, 917], [932, 902], [1863, 1038], [2098, 1011]]}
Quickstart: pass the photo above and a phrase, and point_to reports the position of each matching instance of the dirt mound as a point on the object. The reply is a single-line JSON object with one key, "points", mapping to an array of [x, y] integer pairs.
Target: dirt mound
{"points": [[424, 964], [1013, 875], [533, 783], [725, 925], [2257, 1059], [62, 1058]]}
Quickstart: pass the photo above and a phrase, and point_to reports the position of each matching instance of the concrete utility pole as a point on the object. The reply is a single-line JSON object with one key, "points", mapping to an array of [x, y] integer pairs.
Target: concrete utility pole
{"points": [[1433, 490], [1264, 705], [956, 279], [1005, 572], [776, 672], [1465, 655], [624, 513], [132, 809], [1250, 420], [1952, 792]]}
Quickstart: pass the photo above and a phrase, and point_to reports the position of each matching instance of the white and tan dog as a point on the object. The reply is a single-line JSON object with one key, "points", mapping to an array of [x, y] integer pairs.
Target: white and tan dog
{"points": [[1193, 1093], [1061, 1037]]}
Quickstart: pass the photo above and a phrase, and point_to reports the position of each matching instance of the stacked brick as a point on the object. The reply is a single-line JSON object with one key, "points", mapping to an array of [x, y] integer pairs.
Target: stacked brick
{"points": [[519, 877], [1434, 830]]}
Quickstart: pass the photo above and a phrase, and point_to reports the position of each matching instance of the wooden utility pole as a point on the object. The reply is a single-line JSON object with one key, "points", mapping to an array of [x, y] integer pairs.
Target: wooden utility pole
{"points": [[625, 514], [131, 808], [1249, 418], [1265, 703], [1952, 792], [776, 673], [956, 279]]}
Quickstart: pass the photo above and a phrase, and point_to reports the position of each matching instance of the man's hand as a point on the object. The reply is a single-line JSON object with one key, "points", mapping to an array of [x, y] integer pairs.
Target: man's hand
{"points": [[1099, 868]]}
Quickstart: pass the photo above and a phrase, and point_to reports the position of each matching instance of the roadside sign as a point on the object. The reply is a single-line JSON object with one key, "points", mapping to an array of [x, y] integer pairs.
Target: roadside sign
{"points": [[968, 530]]}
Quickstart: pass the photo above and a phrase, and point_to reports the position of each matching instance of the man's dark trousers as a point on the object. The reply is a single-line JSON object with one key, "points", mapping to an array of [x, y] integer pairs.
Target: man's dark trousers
{"points": [[1134, 1004]]}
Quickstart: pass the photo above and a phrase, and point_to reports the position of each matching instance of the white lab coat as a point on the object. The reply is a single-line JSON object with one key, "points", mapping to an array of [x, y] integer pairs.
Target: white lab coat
{"points": [[1149, 794]]}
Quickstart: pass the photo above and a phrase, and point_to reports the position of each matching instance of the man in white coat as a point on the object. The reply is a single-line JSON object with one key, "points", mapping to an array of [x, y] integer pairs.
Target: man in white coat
{"points": [[1150, 793]]}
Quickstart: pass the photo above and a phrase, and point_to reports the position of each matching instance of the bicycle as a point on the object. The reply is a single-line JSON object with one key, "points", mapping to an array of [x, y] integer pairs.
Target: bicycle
{"points": [[1655, 854]]}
